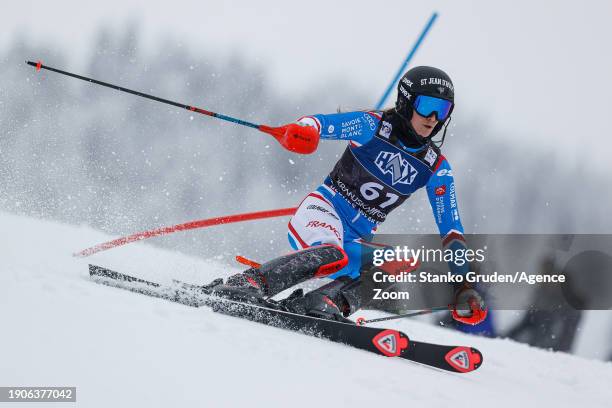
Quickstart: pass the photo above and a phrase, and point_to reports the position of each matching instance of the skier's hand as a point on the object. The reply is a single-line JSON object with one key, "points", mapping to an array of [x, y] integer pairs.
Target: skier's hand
{"points": [[301, 138], [469, 306]]}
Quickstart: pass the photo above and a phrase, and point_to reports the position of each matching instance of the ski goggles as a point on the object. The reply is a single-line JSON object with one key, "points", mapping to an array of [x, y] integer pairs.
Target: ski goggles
{"points": [[426, 105]]}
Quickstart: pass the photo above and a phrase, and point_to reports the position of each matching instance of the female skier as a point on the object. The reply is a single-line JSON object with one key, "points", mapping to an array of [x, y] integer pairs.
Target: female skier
{"points": [[390, 156]]}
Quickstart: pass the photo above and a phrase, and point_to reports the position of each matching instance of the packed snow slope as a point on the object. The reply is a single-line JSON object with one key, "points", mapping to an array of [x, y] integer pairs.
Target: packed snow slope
{"points": [[121, 349]]}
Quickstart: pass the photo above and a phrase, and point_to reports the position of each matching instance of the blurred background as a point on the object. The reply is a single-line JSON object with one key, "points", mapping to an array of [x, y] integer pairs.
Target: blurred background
{"points": [[529, 141]]}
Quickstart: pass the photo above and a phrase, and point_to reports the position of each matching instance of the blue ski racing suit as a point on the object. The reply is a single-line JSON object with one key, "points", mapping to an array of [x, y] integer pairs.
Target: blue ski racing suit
{"points": [[375, 175]]}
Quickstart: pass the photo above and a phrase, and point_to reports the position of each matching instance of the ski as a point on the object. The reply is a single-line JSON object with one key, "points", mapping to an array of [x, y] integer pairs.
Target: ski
{"points": [[384, 342]]}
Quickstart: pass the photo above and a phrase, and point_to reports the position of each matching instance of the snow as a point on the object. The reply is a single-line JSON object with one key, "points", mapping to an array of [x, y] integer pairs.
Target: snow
{"points": [[123, 349]]}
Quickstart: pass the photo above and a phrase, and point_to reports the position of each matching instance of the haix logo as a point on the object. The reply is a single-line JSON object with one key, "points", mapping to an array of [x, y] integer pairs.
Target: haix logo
{"points": [[401, 171]]}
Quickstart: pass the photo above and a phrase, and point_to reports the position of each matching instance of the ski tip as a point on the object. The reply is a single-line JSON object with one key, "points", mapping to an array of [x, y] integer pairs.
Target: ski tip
{"points": [[98, 271], [93, 269]]}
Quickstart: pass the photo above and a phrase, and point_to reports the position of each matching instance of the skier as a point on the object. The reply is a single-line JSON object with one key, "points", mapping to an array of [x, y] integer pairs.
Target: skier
{"points": [[390, 155]]}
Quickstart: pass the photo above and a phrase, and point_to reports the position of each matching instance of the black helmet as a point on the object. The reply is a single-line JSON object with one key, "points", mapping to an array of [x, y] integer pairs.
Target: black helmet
{"points": [[428, 81]]}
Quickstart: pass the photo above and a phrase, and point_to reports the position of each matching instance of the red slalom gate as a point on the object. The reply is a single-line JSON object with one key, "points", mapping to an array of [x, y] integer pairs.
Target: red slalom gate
{"points": [[228, 219]]}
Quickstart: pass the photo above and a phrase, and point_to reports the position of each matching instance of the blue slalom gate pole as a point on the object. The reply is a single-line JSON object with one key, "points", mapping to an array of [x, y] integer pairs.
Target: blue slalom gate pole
{"points": [[416, 45]]}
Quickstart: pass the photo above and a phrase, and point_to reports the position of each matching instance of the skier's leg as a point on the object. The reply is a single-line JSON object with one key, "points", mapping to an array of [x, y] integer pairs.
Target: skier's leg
{"points": [[316, 232], [281, 273], [314, 223]]}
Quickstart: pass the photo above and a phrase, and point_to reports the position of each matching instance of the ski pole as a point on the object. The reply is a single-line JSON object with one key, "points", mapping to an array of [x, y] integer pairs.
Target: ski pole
{"points": [[362, 322], [296, 142]]}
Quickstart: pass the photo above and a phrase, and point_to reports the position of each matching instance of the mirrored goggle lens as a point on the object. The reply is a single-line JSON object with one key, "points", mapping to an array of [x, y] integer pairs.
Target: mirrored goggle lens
{"points": [[426, 105]]}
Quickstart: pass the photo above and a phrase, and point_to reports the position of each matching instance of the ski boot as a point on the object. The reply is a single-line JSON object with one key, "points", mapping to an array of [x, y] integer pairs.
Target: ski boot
{"points": [[257, 284], [333, 301], [248, 286]]}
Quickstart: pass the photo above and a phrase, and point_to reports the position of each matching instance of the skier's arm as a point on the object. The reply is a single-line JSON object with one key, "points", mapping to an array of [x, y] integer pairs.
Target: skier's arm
{"points": [[469, 304], [357, 126], [443, 200]]}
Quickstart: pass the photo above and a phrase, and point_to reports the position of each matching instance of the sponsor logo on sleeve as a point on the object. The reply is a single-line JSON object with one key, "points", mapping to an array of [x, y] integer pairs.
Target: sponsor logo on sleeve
{"points": [[453, 197], [445, 172], [351, 128], [370, 121], [441, 190]]}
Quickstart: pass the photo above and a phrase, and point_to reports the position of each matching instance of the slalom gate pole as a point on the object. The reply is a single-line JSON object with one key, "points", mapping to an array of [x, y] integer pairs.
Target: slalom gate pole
{"points": [[228, 219], [294, 143], [415, 47]]}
